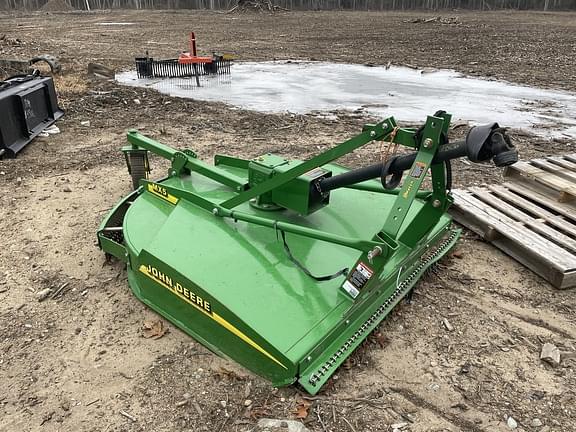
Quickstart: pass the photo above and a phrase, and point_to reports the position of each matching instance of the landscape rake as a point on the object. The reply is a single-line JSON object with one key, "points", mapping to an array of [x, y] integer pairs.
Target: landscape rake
{"points": [[231, 252], [186, 65]]}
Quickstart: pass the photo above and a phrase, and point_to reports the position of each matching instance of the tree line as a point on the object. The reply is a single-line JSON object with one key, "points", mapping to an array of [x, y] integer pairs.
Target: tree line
{"points": [[304, 4]]}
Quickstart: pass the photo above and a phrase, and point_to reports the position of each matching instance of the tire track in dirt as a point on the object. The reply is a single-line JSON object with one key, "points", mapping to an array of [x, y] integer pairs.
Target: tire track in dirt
{"points": [[506, 310], [426, 404]]}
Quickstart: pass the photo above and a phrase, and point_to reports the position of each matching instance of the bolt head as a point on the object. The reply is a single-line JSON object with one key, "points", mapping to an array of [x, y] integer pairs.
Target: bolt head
{"points": [[215, 211], [372, 134], [427, 143], [436, 203]]}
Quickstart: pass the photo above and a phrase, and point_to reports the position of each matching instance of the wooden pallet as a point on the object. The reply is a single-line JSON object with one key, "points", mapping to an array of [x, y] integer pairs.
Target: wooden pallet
{"points": [[555, 176], [524, 221]]}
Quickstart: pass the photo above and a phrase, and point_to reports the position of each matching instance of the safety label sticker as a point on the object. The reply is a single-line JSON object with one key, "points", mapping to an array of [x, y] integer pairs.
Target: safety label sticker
{"points": [[356, 281], [418, 169]]}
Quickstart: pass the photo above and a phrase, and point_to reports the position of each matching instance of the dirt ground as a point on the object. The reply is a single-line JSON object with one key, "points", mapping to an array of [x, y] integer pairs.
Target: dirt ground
{"points": [[77, 361]]}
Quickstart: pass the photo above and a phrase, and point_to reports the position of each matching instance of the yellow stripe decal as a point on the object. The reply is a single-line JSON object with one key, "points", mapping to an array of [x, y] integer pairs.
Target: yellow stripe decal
{"points": [[214, 316], [160, 192]]}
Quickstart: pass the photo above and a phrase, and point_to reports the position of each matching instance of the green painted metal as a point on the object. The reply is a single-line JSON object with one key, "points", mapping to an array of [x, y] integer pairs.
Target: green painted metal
{"points": [[200, 255], [416, 175], [231, 162], [298, 194], [376, 132], [174, 194], [185, 161]]}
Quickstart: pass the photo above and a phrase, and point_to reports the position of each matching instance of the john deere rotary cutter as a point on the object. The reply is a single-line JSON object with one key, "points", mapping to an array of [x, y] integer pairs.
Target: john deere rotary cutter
{"points": [[230, 253]]}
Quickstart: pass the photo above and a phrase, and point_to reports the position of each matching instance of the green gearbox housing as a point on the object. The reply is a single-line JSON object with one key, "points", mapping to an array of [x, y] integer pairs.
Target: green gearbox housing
{"points": [[286, 266], [299, 194]]}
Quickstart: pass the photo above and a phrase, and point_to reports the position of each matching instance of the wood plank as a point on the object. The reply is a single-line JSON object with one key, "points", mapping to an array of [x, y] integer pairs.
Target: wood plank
{"points": [[544, 177], [532, 217], [558, 221], [523, 171], [470, 217], [504, 192], [514, 230], [564, 163], [568, 281], [567, 210], [555, 169], [555, 235], [538, 225], [497, 203]]}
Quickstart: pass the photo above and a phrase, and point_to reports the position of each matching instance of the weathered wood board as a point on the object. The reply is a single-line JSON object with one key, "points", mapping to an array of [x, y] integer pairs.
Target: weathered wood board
{"points": [[531, 218], [555, 176]]}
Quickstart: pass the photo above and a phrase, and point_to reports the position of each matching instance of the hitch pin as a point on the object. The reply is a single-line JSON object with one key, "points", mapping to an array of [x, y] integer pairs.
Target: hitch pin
{"points": [[374, 253]]}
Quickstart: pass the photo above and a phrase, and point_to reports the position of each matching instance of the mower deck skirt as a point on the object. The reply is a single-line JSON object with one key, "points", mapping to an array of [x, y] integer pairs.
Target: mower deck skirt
{"points": [[231, 286]]}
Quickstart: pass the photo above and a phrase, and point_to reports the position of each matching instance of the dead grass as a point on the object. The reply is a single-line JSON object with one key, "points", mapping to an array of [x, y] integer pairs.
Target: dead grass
{"points": [[71, 85]]}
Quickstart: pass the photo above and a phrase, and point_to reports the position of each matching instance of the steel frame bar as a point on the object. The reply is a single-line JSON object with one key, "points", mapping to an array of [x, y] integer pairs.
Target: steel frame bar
{"points": [[436, 201]]}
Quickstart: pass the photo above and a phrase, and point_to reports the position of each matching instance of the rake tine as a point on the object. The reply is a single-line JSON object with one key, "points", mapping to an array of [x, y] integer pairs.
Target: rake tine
{"points": [[147, 67], [196, 75]]}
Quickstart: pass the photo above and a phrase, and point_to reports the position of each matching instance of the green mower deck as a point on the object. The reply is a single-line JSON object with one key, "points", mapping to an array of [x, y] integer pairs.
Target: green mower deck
{"points": [[222, 253]]}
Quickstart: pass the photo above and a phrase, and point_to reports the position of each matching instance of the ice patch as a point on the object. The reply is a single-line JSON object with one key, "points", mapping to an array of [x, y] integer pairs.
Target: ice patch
{"points": [[115, 23], [407, 94]]}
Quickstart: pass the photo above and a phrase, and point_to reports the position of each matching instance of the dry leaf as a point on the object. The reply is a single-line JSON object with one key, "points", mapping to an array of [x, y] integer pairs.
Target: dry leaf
{"points": [[154, 329], [256, 413], [301, 411], [223, 373]]}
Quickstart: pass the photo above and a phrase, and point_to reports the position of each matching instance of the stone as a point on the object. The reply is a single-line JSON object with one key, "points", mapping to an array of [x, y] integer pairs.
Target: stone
{"points": [[43, 295], [512, 424], [277, 425], [447, 325], [550, 354], [536, 422]]}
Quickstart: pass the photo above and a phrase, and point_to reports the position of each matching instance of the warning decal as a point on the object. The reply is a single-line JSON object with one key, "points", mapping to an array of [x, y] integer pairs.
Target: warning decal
{"points": [[356, 281], [418, 169]]}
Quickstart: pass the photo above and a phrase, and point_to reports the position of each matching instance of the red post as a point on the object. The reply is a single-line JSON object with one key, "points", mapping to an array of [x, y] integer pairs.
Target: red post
{"points": [[193, 44]]}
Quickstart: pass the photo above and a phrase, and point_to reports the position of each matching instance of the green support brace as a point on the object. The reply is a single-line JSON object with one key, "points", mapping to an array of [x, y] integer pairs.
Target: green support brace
{"points": [[182, 160], [376, 132], [428, 147]]}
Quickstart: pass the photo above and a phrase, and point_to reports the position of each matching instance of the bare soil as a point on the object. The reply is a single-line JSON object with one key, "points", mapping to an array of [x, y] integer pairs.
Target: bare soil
{"points": [[76, 362]]}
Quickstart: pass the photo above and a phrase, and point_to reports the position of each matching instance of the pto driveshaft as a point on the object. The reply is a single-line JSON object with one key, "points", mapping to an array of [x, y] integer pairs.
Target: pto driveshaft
{"points": [[482, 144]]}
